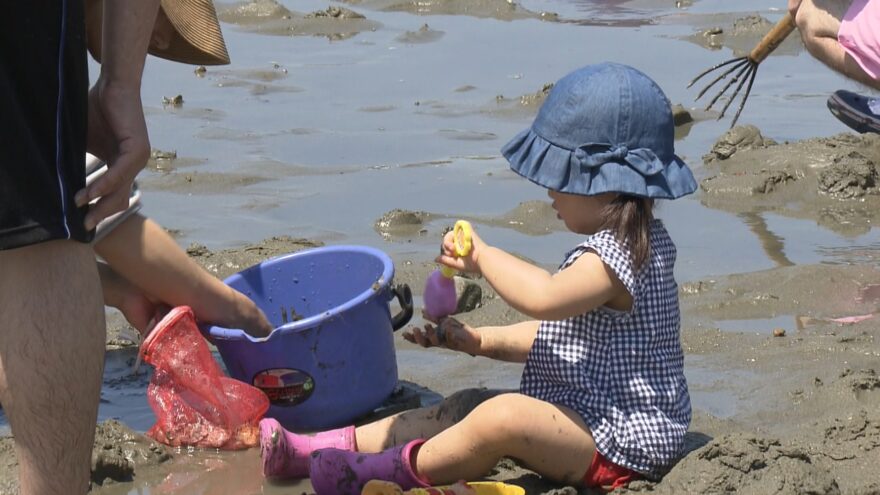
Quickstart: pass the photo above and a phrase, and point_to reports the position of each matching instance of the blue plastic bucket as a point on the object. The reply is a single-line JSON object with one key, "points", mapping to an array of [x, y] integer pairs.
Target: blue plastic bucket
{"points": [[334, 360]]}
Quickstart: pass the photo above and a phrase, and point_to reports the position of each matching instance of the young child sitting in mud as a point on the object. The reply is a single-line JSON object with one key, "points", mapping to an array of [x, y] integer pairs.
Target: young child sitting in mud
{"points": [[603, 398]]}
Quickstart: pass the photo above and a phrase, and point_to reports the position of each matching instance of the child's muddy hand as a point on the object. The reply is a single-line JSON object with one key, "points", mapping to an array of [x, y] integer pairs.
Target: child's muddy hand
{"points": [[450, 333], [457, 336], [427, 317], [426, 337]]}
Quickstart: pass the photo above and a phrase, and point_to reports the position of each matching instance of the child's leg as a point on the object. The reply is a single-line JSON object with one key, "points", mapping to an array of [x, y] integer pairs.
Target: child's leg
{"points": [[425, 422], [551, 440], [142, 252], [286, 454]]}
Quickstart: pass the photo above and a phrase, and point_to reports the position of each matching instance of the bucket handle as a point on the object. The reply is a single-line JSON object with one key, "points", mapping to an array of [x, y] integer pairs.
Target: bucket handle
{"points": [[404, 297]]}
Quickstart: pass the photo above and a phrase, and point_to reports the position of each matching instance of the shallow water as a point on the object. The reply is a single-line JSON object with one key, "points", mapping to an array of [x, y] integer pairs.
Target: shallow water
{"points": [[376, 124], [308, 137]]}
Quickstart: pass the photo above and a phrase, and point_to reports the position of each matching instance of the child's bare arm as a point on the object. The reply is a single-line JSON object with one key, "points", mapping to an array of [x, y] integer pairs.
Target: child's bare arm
{"points": [[583, 286], [507, 343]]}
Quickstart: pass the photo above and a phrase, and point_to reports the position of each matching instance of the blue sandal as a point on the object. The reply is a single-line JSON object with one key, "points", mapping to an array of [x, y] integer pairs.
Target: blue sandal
{"points": [[860, 113]]}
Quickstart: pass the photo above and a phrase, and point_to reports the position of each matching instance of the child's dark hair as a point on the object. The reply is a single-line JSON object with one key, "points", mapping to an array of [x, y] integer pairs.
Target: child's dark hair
{"points": [[629, 218]]}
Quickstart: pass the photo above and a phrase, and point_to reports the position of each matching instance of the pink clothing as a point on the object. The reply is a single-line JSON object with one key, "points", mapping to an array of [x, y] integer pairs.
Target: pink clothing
{"points": [[860, 34]]}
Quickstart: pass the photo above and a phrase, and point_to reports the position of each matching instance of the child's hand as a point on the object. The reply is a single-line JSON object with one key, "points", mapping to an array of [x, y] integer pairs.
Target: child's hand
{"points": [[450, 333], [467, 263]]}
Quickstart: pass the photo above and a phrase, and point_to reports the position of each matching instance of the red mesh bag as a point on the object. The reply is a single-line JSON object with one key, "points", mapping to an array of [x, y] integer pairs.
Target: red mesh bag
{"points": [[194, 402]]}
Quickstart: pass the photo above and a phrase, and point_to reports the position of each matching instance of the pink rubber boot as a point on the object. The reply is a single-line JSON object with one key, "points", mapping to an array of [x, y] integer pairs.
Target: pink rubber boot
{"points": [[286, 454], [342, 472]]}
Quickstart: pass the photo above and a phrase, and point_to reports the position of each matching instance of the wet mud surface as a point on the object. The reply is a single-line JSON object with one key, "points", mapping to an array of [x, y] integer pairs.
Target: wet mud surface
{"points": [[496, 9], [803, 400], [806, 420], [118, 454], [739, 34], [829, 180], [272, 18], [783, 362]]}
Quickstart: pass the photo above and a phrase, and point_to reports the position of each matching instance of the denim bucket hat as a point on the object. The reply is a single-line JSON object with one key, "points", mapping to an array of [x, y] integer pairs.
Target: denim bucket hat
{"points": [[603, 128]]}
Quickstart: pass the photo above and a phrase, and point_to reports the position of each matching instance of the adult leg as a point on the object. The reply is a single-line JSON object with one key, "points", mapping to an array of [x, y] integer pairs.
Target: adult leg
{"points": [[819, 22], [51, 361], [143, 253], [549, 439]]}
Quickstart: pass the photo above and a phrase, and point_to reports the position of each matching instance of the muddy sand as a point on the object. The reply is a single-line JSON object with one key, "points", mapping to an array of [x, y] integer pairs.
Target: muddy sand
{"points": [[795, 410], [787, 400]]}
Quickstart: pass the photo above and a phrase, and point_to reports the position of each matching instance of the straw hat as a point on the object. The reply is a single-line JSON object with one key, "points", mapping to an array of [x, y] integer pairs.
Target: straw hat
{"points": [[197, 38]]}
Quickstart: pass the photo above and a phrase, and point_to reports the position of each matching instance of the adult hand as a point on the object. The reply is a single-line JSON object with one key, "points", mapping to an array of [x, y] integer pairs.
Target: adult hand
{"points": [[139, 311], [117, 134], [449, 333], [138, 308]]}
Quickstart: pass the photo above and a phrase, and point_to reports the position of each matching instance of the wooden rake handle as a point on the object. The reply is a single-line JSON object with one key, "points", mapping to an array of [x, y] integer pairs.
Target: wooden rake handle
{"points": [[772, 39]]}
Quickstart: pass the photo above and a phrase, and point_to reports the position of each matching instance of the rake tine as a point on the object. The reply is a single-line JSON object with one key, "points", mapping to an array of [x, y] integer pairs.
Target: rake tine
{"points": [[722, 76], [752, 68], [745, 97], [728, 85], [747, 66], [722, 64]]}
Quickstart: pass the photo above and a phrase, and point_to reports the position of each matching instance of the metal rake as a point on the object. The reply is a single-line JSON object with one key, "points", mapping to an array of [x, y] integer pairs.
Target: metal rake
{"points": [[745, 68]]}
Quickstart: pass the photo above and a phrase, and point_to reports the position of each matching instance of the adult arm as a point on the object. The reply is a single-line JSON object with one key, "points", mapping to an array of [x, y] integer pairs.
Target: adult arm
{"points": [[140, 251], [117, 129]]}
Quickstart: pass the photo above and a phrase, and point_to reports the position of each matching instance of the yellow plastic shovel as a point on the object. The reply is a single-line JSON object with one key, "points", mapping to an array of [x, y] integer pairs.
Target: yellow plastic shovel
{"points": [[378, 487]]}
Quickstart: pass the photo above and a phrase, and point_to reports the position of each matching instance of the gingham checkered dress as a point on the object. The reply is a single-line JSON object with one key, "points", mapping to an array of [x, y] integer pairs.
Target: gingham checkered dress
{"points": [[623, 372]]}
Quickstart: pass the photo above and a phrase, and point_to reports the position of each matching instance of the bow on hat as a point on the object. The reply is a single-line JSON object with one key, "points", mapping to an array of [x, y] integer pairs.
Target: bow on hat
{"points": [[594, 155]]}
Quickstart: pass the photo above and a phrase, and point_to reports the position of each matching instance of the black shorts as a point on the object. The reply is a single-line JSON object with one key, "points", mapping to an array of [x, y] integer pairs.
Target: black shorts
{"points": [[43, 96]]}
